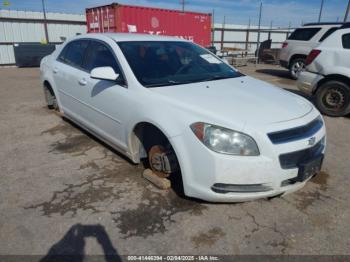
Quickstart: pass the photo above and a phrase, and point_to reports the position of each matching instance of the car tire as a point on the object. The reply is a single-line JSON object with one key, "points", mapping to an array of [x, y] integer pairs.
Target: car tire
{"points": [[50, 99], [333, 98], [295, 67]]}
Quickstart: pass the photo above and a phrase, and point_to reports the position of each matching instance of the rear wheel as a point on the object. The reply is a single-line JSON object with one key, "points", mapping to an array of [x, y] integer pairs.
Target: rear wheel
{"points": [[333, 98], [50, 98], [296, 66]]}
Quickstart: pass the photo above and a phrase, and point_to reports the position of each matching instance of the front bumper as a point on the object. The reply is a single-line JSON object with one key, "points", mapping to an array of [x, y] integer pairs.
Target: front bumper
{"points": [[307, 82], [203, 170]]}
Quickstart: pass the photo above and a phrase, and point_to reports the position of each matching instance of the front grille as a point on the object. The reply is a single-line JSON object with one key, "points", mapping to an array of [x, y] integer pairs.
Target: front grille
{"points": [[296, 133], [292, 160]]}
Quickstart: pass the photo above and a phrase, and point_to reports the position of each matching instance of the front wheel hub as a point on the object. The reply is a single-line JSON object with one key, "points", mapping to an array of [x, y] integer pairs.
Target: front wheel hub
{"points": [[335, 98], [162, 161]]}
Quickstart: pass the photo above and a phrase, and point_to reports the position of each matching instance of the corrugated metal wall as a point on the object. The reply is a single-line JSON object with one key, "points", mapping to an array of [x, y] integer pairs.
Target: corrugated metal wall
{"points": [[27, 26]]}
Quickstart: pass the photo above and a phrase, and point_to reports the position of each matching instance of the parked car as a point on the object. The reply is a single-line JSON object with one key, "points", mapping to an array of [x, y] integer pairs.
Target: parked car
{"points": [[299, 44], [226, 136], [327, 75]]}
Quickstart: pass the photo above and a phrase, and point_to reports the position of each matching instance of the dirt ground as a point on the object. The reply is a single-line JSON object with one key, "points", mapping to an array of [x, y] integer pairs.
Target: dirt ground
{"points": [[63, 191]]}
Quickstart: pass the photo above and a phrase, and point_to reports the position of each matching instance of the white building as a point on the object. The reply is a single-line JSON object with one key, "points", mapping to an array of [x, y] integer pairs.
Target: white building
{"points": [[28, 27]]}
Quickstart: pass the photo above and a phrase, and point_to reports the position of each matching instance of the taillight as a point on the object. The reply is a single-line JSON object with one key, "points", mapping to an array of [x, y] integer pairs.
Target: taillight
{"points": [[284, 45], [312, 56]]}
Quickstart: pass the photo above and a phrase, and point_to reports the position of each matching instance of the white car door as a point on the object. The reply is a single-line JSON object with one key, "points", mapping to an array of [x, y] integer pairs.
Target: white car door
{"points": [[67, 73], [103, 101]]}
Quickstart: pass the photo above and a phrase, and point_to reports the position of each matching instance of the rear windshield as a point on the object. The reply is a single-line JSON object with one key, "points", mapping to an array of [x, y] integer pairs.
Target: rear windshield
{"points": [[304, 34], [166, 63]]}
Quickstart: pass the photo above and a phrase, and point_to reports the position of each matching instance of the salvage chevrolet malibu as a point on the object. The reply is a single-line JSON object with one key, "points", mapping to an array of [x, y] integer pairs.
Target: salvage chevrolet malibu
{"points": [[225, 136]]}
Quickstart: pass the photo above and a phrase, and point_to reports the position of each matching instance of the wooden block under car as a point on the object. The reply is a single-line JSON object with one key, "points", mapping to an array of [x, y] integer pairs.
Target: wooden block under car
{"points": [[159, 182]]}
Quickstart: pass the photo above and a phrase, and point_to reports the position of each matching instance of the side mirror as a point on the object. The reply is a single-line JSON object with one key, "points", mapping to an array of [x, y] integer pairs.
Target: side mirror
{"points": [[104, 73]]}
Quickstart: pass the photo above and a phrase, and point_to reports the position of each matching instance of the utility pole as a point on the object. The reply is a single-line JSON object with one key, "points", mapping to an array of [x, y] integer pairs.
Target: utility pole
{"points": [[222, 34], [247, 37], [213, 27], [347, 13], [321, 9], [289, 27], [45, 22], [259, 26], [183, 5]]}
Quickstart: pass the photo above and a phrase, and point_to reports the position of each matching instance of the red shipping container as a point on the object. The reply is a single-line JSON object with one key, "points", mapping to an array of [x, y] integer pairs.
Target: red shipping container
{"points": [[145, 20]]}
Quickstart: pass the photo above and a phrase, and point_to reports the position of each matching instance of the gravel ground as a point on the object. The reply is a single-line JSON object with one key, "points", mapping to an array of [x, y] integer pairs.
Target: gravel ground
{"points": [[62, 190]]}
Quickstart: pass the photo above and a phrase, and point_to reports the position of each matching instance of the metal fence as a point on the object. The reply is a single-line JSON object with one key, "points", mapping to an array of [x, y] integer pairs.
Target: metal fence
{"points": [[246, 37], [29, 27]]}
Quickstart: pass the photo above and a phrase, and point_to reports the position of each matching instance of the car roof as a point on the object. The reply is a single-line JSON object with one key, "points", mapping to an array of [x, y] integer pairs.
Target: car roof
{"points": [[324, 23], [124, 37], [321, 25]]}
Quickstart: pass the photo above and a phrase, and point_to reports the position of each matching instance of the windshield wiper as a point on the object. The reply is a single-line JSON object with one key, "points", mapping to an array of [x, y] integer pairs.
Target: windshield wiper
{"points": [[168, 83], [174, 82], [217, 77]]}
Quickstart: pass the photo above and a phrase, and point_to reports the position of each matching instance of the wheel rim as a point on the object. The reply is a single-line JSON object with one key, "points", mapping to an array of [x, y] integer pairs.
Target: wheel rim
{"points": [[334, 99], [298, 67]]}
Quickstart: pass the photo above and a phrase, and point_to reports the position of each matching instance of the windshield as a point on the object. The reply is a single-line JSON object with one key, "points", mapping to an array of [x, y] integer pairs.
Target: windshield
{"points": [[161, 63]]}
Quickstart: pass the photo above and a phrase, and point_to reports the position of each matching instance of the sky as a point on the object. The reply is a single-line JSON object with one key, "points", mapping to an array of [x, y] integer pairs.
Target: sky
{"points": [[280, 12]]}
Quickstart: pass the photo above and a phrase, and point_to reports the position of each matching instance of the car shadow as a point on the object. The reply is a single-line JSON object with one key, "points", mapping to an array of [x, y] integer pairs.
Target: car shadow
{"points": [[275, 72], [97, 140], [175, 179], [72, 246]]}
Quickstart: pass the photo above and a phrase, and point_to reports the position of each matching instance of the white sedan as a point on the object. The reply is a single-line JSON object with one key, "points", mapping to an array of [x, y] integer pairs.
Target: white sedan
{"points": [[225, 136]]}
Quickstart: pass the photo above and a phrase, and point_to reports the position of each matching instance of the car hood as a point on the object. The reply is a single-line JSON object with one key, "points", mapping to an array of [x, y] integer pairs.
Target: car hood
{"points": [[243, 99]]}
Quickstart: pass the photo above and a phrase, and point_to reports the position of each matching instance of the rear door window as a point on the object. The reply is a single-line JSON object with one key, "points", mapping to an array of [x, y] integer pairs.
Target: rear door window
{"points": [[304, 34], [328, 33], [62, 55], [74, 52], [346, 41]]}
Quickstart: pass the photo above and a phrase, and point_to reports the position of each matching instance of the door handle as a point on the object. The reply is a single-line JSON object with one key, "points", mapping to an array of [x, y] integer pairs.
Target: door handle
{"points": [[55, 70], [82, 82]]}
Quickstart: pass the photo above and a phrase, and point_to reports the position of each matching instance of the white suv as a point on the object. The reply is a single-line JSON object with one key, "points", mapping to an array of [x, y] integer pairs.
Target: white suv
{"points": [[327, 75], [299, 44]]}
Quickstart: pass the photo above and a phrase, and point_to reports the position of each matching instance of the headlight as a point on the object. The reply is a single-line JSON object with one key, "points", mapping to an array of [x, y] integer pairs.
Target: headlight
{"points": [[225, 141]]}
